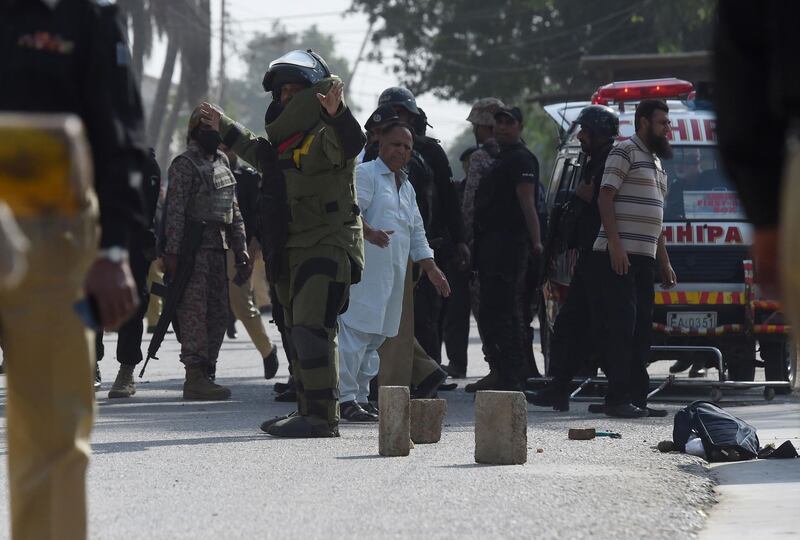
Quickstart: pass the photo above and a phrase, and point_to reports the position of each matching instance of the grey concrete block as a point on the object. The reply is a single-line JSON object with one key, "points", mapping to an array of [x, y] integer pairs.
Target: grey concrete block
{"points": [[501, 428], [394, 437], [427, 416]]}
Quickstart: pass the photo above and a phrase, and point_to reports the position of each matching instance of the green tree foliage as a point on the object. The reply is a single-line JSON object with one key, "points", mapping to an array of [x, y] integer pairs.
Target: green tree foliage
{"points": [[456, 147], [539, 133], [469, 49], [245, 98]]}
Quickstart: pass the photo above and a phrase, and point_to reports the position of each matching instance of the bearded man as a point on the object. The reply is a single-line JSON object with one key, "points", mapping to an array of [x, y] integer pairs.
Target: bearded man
{"points": [[631, 204]]}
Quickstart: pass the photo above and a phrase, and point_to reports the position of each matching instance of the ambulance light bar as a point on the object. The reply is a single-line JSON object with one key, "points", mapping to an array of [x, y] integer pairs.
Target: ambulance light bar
{"points": [[639, 90]]}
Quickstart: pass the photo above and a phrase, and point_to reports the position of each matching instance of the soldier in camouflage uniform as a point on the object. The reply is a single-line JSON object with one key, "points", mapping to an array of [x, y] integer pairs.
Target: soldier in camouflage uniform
{"points": [[482, 119], [308, 164], [202, 188]]}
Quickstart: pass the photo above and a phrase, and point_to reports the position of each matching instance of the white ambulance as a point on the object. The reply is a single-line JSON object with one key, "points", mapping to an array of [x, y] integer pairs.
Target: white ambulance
{"points": [[716, 302]]}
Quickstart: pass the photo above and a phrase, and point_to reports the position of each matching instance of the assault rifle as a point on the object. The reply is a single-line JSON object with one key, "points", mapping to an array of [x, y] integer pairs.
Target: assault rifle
{"points": [[563, 216], [173, 292]]}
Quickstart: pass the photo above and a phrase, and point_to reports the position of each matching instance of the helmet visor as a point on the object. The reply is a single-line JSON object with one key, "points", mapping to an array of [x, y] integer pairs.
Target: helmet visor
{"points": [[296, 58]]}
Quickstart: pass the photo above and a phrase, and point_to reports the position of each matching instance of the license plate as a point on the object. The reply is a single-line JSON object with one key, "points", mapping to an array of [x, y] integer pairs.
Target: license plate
{"points": [[693, 320]]}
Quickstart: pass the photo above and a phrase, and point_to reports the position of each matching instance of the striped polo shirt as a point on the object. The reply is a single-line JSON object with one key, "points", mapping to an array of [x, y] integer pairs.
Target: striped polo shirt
{"points": [[641, 184]]}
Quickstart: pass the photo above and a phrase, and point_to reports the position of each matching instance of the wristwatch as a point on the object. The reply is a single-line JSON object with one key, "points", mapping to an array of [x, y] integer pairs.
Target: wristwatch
{"points": [[115, 254]]}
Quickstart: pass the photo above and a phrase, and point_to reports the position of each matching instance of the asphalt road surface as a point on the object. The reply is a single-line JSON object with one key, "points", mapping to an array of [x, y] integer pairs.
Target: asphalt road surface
{"points": [[163, 468]]}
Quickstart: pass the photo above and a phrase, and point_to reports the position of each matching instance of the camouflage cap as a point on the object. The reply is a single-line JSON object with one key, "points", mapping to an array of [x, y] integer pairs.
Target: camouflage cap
{"points": [[482, 113]]}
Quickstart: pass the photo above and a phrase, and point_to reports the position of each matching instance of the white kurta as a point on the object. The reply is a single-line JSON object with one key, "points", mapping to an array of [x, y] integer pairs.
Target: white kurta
{"points": [[376, 302]]}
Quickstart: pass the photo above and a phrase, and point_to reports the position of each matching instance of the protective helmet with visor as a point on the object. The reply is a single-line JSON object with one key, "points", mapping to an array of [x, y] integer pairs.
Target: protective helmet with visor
{"points": [[303, 67]]}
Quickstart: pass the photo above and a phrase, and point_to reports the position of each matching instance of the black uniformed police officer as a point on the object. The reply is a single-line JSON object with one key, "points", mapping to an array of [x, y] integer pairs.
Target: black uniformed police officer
{"points": [[142, 253], [575, 331], [248, 186], [507, 237]]}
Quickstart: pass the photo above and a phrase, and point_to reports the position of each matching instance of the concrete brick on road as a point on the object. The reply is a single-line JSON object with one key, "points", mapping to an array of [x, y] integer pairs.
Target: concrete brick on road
{"points": [[427, 417], [394, 427], [501, 428]]}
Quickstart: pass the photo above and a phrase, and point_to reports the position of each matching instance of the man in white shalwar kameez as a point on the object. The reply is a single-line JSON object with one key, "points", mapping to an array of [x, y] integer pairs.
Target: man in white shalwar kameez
{"points": [[394, 232]]}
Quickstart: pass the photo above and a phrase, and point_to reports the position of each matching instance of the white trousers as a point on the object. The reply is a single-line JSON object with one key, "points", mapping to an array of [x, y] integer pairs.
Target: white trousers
{"points": [[358, 362]]}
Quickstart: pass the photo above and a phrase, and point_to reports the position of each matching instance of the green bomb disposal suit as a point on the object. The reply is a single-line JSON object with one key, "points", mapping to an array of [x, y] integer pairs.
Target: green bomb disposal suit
{"points": [[324, 250]]}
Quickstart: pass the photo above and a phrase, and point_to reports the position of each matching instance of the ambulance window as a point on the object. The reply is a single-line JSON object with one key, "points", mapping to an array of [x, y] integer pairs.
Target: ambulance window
{"points": [[698, 187]]}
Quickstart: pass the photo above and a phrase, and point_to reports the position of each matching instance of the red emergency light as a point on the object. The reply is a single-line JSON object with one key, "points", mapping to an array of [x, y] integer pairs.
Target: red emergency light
{"points": [[638, 90]]}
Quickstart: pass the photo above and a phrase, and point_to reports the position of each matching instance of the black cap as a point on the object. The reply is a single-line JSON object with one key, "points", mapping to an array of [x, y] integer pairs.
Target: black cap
{"points": [[382, 114], [512, 112], [400, 97]]}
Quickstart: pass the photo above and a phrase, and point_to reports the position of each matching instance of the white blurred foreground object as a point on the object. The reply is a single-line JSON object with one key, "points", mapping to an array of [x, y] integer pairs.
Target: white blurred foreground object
{"points": [[13, 249]]}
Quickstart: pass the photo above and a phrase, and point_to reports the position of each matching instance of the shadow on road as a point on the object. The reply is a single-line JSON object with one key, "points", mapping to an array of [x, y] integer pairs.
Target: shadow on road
{"points": [[141, 446], [761, 471]]}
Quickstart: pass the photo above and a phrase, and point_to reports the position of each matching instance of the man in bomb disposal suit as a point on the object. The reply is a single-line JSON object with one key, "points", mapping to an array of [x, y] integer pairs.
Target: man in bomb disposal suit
{"points": [[308, 193]]}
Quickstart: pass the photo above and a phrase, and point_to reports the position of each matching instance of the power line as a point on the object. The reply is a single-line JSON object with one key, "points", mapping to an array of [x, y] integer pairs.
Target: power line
{"points": [[295, 16]]}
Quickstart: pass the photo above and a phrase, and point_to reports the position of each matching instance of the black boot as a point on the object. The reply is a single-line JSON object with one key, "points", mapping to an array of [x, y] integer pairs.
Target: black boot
{"points": [[232, 328], [625, 410], [265, 425], [281, 387], [489, 382], [289, 393], [271, 363], [428, 387], [302, 427], [680, 365], [549, 396], [456, 372]]}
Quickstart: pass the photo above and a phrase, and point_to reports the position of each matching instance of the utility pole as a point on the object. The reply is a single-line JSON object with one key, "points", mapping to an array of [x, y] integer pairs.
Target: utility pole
{"points": [[360, 55], [221, 79]]}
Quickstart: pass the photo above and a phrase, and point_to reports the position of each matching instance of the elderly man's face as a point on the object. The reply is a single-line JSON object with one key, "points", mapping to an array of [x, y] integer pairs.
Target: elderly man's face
{"points": [[395, 148]]}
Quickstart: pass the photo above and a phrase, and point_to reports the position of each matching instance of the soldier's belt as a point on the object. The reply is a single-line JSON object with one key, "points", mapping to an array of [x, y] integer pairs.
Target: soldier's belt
{"points": [[45, 164]]}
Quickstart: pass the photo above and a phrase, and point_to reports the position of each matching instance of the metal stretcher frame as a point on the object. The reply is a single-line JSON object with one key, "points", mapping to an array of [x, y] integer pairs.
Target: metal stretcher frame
{"points": [[716, 387]]}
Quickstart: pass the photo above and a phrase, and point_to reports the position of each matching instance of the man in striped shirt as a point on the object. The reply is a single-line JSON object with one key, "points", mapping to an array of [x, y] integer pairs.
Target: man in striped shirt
{"points": [[630, 240]]}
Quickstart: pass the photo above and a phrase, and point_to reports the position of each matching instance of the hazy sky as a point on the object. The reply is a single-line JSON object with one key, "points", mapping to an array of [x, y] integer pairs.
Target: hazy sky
{"points": [[250, 16]]}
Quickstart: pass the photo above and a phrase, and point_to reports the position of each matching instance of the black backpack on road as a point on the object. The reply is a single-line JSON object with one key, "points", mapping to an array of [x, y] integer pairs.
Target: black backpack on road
{"points": [[724, 436]]}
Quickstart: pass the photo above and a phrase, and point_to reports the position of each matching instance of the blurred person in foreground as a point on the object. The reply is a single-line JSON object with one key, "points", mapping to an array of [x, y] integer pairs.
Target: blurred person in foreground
{"points": [[67, 79], [760, 145]]}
